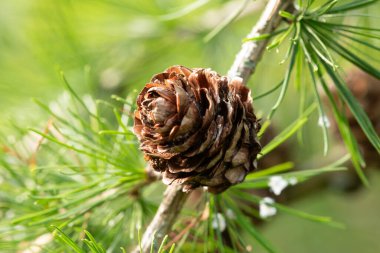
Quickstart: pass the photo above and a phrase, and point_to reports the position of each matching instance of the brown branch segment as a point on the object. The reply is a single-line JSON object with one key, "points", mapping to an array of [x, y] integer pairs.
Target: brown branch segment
{"points": [[251, 52], [171, 205]]}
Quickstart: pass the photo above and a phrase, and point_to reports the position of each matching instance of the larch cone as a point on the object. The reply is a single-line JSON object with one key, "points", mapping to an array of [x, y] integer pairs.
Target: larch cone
{"points": [[197, 128]]}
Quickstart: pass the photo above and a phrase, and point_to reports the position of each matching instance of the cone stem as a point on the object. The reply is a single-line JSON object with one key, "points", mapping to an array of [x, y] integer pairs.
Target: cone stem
{"points": [[171, 205], [243, 66], [250, 54]]}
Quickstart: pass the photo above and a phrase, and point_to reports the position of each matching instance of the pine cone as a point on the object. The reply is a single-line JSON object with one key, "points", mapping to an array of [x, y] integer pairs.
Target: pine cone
{"points": [[197, 128]]}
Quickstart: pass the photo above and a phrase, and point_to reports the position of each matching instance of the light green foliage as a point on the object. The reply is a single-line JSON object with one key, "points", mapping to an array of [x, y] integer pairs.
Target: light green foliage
{"points": [[71, 172], [313, 35], [78, 173]]}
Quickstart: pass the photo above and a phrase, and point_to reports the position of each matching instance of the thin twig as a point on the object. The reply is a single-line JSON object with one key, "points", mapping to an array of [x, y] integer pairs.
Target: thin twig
{"points": [[251, 51], [243, 67]]}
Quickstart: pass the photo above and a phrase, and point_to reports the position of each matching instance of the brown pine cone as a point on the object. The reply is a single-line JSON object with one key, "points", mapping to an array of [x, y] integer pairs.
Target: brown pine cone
{"points": [[197, 128]]}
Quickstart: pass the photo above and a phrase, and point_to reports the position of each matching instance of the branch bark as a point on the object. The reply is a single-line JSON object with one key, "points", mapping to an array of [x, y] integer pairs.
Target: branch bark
{"points": [[250, 54], [243, 66], [171, 205]]}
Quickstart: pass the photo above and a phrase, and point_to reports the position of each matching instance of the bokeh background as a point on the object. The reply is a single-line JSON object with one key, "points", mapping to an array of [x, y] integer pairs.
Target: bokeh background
{"points": [[107, 47]]}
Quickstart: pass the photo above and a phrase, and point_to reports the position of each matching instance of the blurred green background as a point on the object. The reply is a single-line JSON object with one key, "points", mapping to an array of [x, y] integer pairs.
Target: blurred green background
{"points": [[109, 47]]}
